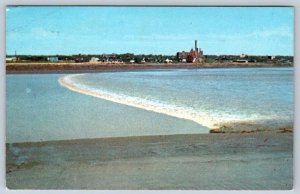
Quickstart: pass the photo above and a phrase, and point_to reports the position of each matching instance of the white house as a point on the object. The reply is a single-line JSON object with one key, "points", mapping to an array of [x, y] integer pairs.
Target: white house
{"points": [[94, 59], [11, 59], [168, 61], [52, 59]]}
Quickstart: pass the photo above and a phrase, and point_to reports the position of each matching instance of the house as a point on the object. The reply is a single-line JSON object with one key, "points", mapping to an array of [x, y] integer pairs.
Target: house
{"points": [[52, 59], [94, 60], [168, 61], [271, 57], [11, 59]]}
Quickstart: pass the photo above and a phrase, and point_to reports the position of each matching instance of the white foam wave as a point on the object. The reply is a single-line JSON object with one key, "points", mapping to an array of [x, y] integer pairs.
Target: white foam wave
{"points": [[137, 102], [205, 119]]}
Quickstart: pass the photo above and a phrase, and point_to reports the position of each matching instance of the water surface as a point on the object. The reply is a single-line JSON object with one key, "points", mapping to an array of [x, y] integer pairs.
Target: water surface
{"points": [[39, 109], [148, 102], [209, 97]]}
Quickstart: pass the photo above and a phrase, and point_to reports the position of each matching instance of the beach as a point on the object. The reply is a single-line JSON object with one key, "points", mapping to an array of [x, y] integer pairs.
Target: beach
{"points": [[259, 160]]}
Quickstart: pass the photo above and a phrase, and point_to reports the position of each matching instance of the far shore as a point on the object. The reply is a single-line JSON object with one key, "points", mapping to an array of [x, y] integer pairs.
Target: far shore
{"points": [[259, 160], [92, 67]]}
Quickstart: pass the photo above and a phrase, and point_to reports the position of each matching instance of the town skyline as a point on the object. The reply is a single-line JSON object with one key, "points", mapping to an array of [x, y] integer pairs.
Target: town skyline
{"points": [[63, 30]]}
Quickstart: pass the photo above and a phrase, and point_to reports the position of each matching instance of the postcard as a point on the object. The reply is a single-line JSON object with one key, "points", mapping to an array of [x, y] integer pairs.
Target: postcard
{"points": [[142, 98]]}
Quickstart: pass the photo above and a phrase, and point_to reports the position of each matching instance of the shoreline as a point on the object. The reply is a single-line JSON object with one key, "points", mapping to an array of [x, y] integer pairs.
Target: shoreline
{"points": [[148, 138], [15, 68], [261, 160]]}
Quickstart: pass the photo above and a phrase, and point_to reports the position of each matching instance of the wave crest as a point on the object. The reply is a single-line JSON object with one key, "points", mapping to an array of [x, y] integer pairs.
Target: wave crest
{"points": [[171, 110]]}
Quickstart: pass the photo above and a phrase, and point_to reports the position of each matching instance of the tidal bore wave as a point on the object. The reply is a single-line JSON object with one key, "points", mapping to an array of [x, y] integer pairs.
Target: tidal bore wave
{"points": [[203, 118], [171, 110]]}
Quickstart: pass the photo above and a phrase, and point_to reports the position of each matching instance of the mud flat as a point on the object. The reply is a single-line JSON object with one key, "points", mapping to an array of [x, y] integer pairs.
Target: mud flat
{"points": [[258, 160], [94, 67]]}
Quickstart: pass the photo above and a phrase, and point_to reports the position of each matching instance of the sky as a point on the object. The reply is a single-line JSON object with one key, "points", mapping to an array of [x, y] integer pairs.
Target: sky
{"points": [[65, 30]]}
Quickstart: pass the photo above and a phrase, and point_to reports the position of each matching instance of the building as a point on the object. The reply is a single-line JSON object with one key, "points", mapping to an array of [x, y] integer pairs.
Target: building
{"points": [[272, 57], [182, 56], [94, 60], [52, 59], [194, 56], [168, 61], [11, 59]]}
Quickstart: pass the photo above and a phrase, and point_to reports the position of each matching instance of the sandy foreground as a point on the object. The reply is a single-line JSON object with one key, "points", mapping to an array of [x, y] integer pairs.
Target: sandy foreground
{"points": [[259, 160]]}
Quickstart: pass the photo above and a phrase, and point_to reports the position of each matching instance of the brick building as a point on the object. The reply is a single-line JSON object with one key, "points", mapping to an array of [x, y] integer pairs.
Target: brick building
{"points": [[194, 56]]}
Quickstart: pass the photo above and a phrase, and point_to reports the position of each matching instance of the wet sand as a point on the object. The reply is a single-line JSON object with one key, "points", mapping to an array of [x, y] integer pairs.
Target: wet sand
{"points": [[39, 67], [258, 160]]}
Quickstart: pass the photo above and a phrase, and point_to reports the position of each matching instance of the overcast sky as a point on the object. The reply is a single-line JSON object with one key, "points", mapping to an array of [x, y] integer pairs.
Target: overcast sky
{"points": [[149, 30]]}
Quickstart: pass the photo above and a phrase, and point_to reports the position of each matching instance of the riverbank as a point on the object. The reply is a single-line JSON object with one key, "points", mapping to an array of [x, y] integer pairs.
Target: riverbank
{"points": [[88, 67], [260, 160], [252, 127]]}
